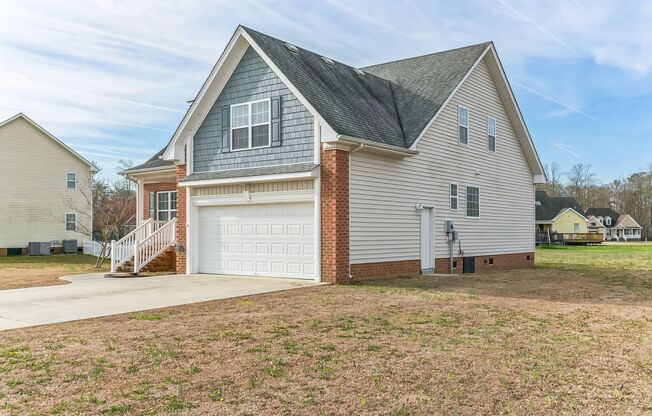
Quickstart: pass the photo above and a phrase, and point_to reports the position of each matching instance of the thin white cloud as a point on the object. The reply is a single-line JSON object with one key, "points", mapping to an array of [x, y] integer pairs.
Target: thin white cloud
{"points": [[571, 151], [101, 73], [538, 26], [562, 104]]}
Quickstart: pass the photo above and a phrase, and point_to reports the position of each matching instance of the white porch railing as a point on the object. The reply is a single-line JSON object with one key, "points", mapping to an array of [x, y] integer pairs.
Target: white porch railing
{"points": [[154, 244], [123, 249]]}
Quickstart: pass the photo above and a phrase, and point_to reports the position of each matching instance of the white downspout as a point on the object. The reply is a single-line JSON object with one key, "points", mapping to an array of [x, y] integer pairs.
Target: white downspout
{"points": [[357, 149]]}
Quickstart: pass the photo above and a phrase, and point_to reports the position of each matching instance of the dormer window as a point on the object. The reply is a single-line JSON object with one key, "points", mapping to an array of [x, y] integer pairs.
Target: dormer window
{"points": [[607, 220]]}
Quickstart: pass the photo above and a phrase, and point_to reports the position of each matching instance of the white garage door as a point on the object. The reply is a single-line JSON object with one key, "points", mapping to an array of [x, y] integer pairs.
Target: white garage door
{"points": [[262, 240]]}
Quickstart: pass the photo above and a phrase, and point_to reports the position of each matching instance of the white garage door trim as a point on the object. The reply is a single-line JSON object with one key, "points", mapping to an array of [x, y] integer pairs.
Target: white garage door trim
{"points": [[310, 218], [306, 195]]}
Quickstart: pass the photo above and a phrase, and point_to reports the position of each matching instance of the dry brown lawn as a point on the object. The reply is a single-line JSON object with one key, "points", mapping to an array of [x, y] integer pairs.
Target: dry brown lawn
{"points": [[541, 341], [30, 271]]}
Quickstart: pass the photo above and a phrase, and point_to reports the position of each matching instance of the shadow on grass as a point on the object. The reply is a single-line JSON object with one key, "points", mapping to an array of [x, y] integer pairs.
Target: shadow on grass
{"points": [[569, 284]]}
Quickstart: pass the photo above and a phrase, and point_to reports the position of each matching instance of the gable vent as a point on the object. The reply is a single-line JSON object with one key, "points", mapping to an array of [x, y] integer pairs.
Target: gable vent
{"points": [[291, 47], [327, 60], [359, 72]]}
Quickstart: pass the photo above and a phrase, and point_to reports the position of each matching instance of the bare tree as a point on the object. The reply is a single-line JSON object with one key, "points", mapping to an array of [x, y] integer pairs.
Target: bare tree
{"points": [[554, 186], [110, 204], [581, 184]]}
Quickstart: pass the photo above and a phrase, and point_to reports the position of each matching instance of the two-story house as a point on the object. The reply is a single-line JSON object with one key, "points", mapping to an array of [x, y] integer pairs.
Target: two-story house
{"points": [[291, 164], [45, 188], [613, 225]]}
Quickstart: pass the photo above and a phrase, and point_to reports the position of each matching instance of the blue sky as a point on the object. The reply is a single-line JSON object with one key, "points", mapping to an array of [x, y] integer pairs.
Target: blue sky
{"points": [[111, 78]]}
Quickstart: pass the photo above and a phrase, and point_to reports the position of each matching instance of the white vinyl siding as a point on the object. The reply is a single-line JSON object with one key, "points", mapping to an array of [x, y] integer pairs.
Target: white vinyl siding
{"points": [[35, 187], [385, 226]]}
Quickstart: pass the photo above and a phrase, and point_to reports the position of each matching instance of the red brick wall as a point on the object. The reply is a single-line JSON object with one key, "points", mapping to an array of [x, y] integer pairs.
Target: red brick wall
{"points": [[181, 221], [482, 263], [155, 187], [391, 269], [385, 269], [334, 187]]}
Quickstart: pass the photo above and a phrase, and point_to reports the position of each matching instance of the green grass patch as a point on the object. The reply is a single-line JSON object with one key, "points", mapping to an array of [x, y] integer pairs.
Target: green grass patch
{"points": [[630, 256], [68, 261], [147, 317]]}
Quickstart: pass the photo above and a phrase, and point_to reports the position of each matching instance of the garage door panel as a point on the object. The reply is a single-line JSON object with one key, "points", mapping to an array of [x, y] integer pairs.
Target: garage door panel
{"points": [[264, 240]]}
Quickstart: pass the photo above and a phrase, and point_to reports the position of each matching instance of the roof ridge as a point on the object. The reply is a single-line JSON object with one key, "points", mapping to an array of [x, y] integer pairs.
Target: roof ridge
{"points": [[313, 52], [428, 54]]}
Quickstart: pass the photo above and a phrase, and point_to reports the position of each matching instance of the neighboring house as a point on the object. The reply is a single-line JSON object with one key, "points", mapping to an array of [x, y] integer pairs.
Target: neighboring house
{"points": [[596, 226], [290, 164], [44, 186], [558, 215], [616, 226]]}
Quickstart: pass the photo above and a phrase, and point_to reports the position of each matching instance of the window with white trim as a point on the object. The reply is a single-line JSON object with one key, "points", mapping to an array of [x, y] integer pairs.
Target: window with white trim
{"points": [[71, 222], [472, 202], [607, 220], [463, 125], [250, 125], [576, 227], [167, 205], [491, 134], [453, 192], [71, 180]]}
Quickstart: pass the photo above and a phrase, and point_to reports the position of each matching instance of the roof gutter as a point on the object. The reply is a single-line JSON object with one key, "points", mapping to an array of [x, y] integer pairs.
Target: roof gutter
{"points": [[375, 146], [128, 172]]}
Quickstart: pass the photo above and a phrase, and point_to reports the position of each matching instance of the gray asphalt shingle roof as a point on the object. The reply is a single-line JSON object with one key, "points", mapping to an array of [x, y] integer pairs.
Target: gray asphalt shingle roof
{"points": [[603, 212], [422, 84], [550, 206], [391, 104], [242, 173], [153, 162]]}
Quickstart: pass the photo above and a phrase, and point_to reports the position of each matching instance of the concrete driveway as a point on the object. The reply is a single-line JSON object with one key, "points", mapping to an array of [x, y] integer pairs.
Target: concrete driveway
{"points": [[93, 295]]}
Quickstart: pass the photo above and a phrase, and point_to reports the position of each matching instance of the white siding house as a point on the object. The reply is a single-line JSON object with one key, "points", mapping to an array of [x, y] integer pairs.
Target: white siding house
{"points": [[43, 187], [384, 224], [391, 151]]}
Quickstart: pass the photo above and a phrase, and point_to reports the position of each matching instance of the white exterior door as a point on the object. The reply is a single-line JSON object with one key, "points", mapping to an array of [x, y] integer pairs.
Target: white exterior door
{"points": [[427, 239], [259, 240]]}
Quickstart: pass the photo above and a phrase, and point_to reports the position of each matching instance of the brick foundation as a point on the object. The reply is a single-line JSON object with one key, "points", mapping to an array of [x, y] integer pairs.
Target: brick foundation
{"points": [[154, 187], [390, 269], [483, 263], [334, 187], [385, 269], [181, 222]]}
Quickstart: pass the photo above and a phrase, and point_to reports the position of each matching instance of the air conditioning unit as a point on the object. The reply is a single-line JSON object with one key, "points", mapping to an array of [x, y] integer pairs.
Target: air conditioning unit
{"points": [[70, 246], [38, 249]]}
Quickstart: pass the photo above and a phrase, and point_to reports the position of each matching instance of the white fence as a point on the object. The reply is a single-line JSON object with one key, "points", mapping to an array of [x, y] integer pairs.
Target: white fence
{"points": [[94, 248]]}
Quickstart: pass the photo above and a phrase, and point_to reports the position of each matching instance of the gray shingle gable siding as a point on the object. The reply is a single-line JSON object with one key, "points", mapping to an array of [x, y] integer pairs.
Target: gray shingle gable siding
{"points": [[254, 80]]}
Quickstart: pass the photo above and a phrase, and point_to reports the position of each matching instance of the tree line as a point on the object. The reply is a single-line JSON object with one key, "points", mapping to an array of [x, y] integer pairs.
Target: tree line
{"points": [[631, 195]]}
